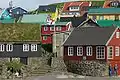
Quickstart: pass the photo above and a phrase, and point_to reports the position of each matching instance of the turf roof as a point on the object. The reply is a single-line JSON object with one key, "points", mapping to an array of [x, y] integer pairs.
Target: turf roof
{"points": [[19, 32]]}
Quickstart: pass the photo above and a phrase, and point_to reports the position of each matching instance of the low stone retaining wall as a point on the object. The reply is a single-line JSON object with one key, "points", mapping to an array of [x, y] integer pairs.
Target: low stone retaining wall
{"points": [[88, 68], [58, 64]]}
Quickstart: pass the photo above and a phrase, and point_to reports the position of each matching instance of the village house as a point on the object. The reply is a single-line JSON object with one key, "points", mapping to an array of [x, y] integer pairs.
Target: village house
{"points": [[48, 30], [104, 14], [78, 8], [73, 8], [108, 23], [76, 21], [20, 41], [17, 13], [48, 9], [111, 3], [5, 16], [93, 43]]}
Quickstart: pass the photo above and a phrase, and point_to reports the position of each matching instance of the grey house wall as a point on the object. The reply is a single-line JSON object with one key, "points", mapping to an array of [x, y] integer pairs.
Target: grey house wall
{"points": [[18, 52], [58, 39]]}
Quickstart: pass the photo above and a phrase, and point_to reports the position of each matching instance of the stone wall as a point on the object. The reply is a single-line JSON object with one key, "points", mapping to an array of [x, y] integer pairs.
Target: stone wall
{"points": [[58, 64], [88, 68]]}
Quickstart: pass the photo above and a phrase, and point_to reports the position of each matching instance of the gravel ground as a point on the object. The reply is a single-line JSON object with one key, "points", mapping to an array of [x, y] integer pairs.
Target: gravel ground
{"points": [[65, 76]]}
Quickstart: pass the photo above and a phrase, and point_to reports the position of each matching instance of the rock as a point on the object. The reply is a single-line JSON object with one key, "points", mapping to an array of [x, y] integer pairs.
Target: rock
{"points": [[58, 64], [87, 68]]}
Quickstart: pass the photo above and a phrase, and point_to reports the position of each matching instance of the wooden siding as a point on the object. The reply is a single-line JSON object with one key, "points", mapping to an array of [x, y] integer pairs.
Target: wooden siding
{"points": [[75, 57], [49, 32], [105, 16], [18, 52], [115, 42], [48, 40], [116, 59]]}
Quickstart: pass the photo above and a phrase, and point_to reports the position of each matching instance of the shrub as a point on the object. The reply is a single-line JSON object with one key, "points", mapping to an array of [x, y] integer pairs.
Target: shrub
{"points": [[14, 66]]}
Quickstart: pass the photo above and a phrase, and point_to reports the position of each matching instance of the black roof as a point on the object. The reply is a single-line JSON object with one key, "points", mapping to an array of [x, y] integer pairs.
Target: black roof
{"points": [[89, 23], [90, 36], [47, 8], [19, 9], [76, 21]]}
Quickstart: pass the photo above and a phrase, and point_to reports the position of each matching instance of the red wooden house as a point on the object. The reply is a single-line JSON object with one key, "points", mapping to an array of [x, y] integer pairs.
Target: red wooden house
{"points": [[93, 43], [111, 3], [47, 30], [74, 8]]}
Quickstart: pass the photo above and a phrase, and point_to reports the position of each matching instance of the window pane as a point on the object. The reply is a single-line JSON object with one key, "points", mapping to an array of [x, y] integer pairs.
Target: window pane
{"points": [[1, 47], [33, 47], [9, 47], [100, 52], [89, 50], [25, 47], [117, 51], [70, 51], [79, 51], [117, 34]]}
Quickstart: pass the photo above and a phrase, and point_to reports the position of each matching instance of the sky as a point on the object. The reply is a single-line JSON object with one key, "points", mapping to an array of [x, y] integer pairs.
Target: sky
{"points": [[28, 4]]}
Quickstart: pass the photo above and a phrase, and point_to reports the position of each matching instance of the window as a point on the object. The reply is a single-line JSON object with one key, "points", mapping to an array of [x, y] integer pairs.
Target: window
{"points": [[59, 28], [100, 52], [51, 28], [110, 52], [74, 8], [89, 50], [79, 51], [17, 12], [44, 37], [25, 47], [101, 18], [9, 47], [117, 34], [70, 51], [1, 47], [117, 51], [45, 28], [33, 47]]}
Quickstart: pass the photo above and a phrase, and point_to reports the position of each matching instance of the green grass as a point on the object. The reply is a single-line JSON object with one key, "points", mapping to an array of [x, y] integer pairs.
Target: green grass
{"points": [[19, 32]]}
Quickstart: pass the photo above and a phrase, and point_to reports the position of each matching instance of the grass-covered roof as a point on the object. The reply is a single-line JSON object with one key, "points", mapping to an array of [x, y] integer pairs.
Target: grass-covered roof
{"points": [[19, 32]]}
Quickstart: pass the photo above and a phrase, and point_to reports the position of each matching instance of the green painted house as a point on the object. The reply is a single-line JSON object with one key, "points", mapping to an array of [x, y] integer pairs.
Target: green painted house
{"points": [[7, 21], [5, 16], [108, 23]]}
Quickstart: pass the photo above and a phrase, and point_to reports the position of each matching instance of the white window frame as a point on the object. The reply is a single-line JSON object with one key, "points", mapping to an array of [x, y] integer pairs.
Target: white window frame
{"points": [[2, 47], [108, 52], [33, 47], [58, 28], [117, 34], [89, 51], [18, 12], [24, 46], [44, 37], [45, 28], [70, 51], [117, 50], [100, 52], [52, 29], [9, 47], [79, 51], [74, 8]]}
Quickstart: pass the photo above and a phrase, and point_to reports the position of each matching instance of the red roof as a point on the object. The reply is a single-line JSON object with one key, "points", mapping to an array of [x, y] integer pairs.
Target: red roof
{"points": [[77, 3], [106, 4]]}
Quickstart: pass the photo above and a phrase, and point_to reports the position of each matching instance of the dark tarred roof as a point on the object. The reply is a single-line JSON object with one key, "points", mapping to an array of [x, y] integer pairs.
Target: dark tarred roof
{"points": [[90, 36]]}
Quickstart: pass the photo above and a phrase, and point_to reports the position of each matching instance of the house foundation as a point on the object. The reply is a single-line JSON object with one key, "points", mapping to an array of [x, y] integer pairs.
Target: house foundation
{"points": [[88, 68]]}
